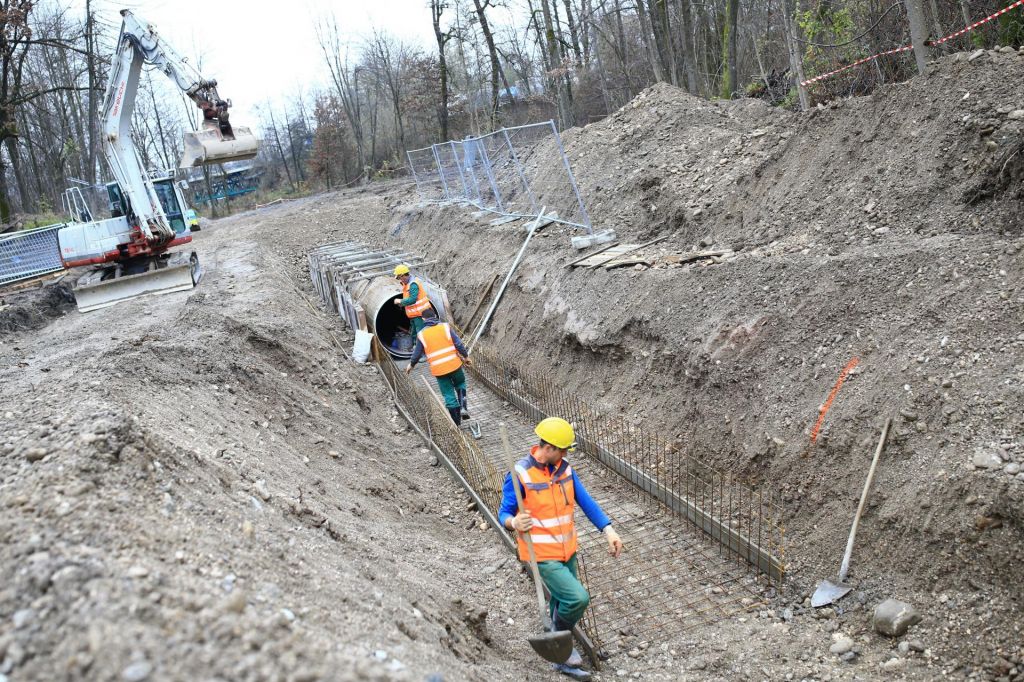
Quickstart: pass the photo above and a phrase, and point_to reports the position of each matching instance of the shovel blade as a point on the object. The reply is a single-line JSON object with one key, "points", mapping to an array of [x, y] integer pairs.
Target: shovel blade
{"points": [[829, 592], [553, 646]]}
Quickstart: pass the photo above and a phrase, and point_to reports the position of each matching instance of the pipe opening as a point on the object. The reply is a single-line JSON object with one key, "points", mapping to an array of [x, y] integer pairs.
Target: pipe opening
{"points": [[394, 331]]}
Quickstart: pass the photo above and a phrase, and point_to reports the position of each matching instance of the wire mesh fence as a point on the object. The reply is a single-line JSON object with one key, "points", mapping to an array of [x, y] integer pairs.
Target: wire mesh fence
{"points": [[29, 253], [512, 171]]}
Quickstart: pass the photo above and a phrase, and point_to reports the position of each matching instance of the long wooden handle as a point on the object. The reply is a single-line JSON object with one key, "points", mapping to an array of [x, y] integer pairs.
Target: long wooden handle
{"points": [[844, 568], [545, 614]]}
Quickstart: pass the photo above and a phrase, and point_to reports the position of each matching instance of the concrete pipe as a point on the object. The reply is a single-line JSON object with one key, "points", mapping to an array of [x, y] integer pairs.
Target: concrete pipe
{"points": [[386, 320]]}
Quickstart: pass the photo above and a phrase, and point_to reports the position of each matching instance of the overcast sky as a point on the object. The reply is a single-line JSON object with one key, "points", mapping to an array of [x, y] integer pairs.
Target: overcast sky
{"points": [[261, 51]]}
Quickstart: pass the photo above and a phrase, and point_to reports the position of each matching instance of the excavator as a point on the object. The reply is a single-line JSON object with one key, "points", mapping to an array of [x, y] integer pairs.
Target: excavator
{"points": [[132, 249]]}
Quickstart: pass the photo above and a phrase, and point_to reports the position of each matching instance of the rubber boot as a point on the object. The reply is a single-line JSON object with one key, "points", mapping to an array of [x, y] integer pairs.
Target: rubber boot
{"points": [[456, 413], [462, 402]]}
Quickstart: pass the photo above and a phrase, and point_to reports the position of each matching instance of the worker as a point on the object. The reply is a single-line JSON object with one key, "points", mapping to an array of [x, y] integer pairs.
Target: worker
{"points": [[414, 298], [551, 490], [446, 355]]}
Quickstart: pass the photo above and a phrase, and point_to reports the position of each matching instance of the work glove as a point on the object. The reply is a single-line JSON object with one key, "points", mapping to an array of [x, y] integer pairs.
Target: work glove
{"points": [[522, 522], [614, 541]]}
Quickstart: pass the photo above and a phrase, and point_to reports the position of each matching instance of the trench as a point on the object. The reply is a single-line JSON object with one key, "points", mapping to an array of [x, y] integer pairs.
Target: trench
{"points": [[700, 545]]}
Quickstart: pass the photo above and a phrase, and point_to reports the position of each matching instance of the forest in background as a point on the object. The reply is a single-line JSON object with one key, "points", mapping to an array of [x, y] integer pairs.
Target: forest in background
{"points": [[493, 63]]}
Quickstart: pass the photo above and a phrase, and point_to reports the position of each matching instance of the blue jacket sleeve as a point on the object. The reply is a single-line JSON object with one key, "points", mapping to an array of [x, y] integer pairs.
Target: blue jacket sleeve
{"points": [[509, 506], [589, 506], [458, 344], [417, 354]]}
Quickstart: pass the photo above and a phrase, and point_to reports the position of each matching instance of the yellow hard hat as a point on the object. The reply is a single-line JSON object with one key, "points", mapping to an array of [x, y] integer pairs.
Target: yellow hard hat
{"points": [[402, 269], [556, 431]]}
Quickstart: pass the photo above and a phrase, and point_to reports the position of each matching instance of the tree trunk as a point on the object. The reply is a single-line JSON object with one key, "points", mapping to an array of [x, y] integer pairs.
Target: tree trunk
{"points": [[27, 205], [574, 35], [492, 52], [436, 8], [280, 149], [564, 104], [658, 12], [936, 26], [646, 30], [918, 34], [730, 84], [92, 95], [793, 47], [686, 47]]}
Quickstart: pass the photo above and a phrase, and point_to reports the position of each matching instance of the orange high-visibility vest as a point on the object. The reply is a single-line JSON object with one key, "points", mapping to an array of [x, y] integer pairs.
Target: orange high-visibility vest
{"points": [[421, 303], [550, 498], [440, 349]]}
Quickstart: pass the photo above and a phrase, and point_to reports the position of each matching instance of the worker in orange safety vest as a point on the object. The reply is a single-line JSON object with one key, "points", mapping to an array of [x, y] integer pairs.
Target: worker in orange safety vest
{"points": [[551, 491], [446, 354], [414, 298]]}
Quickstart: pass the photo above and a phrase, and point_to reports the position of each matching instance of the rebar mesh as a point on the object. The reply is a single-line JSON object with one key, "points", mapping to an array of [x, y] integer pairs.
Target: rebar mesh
{"points": [[29, 253]]}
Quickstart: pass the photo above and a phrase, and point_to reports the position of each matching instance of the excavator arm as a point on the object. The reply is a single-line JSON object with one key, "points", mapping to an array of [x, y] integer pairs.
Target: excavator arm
{"points": [[217, 142]]}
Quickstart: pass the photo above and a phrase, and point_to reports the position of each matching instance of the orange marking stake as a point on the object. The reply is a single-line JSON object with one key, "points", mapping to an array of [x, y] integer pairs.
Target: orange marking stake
{"points": [[832, 396]]}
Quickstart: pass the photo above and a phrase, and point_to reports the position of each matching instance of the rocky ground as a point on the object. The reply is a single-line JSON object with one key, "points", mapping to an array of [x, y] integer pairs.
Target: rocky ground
{"points": [[202, 486]]}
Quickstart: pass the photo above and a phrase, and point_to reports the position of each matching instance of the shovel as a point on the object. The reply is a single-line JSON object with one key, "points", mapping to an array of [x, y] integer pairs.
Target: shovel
{"points": [[551, 645], [829, 592]]}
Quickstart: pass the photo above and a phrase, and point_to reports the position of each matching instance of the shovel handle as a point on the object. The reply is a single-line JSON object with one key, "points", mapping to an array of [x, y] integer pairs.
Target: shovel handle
{"points": [[844, 568], [526, 536]]}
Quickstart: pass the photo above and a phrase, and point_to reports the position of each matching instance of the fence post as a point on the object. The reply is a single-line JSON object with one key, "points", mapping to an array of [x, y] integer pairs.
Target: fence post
{"points": [[440, 173], [519, 170], [412, 167], [572, 179], [458, 167], [490, 175]]}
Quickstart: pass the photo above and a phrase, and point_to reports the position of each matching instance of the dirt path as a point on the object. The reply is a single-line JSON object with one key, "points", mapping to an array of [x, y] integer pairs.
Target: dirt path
{"points": [[200, 485]]}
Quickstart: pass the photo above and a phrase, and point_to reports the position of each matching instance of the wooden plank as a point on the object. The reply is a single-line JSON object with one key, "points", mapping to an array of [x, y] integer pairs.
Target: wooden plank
{"points": [[591, 255], [469, 322], [610, 254], [635, 248], [626, 263]]}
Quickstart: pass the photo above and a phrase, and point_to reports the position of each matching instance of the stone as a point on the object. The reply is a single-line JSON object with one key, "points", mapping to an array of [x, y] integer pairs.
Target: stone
{"points": [[893, 664], [975, 55], [433, 460], [22, 617], [987, 460], [841, 645], [260, 488], [138, 572], [904, 647], [893, 617], [137, 672], [1012, 468], [35, 454], [235, 602], [1015, 115], [916, 645]]}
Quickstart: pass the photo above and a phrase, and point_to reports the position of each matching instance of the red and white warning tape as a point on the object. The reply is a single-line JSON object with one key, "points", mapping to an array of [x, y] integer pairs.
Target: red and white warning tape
{"points": [[976, 24], [910, 47], [856, 63]]}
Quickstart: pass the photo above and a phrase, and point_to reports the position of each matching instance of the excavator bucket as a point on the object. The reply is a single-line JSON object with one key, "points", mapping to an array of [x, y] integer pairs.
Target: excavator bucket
{"points": [[208, 146]]}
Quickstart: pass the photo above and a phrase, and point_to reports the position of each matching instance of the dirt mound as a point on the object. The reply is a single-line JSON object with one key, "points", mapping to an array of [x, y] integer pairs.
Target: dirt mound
{"points": [[885, 228], [25, 310]]}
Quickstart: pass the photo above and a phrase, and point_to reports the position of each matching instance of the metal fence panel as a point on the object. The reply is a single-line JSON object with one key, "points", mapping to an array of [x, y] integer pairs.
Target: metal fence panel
{"points": [[429, 183], [512, 171], [30, 253]]}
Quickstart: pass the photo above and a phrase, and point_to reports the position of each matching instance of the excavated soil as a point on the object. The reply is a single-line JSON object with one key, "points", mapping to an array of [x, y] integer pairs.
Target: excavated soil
{"points": [[167, 472]]}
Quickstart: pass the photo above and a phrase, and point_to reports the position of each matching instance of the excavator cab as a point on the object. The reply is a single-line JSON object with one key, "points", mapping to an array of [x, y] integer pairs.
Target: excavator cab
{"points": [[218, 144]]}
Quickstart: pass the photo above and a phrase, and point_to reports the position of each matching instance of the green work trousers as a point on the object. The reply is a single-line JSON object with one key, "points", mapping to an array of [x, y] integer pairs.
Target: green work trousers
{"points": [[451, 384], [416, 325], [569, 599]]}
